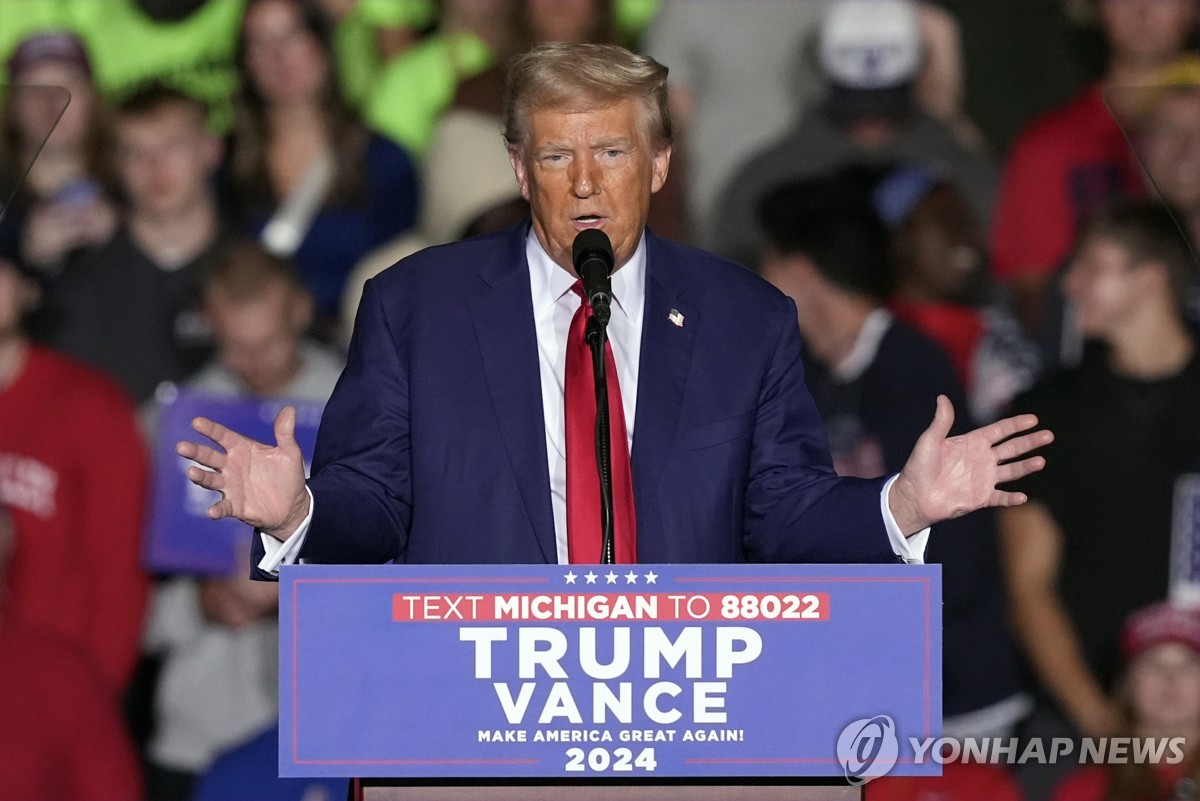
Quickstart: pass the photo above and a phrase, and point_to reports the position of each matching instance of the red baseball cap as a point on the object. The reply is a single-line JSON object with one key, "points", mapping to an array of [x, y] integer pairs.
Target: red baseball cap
{"points": [[1160, 623]]}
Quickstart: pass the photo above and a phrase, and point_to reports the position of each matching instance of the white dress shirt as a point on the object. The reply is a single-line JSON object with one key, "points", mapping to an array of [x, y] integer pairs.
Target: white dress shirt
{"points": [[554, 304]]}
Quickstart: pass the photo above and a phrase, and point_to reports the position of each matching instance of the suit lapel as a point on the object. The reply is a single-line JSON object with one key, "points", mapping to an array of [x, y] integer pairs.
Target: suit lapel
{"points": [[502, 313], [663, 370]]}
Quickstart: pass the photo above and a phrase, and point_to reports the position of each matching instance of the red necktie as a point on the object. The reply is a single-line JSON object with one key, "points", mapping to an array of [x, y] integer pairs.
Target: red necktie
{"points": [[583, 477]]}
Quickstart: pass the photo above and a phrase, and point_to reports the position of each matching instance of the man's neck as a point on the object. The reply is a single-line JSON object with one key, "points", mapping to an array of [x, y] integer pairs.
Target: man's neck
{"points": [[569, 267], [14, 350], [171, 241], [1152, 350], [844, 321], [282, 385]]}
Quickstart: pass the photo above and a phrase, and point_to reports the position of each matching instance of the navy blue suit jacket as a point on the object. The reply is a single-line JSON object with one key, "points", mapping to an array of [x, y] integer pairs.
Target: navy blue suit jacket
{"points": [[432, 448]]}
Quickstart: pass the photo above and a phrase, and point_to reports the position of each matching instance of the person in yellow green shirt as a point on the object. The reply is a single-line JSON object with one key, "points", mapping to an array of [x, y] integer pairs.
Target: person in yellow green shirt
{"points": [[185, 44], [369, 33]]}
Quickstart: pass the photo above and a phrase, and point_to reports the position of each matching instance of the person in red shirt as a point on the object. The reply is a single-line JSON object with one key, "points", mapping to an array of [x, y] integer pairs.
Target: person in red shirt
{"points": [[1160, 697], [62, 737], [1068, 162], [65, 431], [941, 287]]}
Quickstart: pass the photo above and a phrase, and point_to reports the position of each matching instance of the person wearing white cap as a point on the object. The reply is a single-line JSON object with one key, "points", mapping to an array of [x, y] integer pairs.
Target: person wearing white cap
{"points": [[870, 52]]}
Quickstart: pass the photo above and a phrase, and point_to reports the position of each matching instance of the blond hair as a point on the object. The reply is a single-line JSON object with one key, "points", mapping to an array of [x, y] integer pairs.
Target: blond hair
{"points": [[583, 77]]}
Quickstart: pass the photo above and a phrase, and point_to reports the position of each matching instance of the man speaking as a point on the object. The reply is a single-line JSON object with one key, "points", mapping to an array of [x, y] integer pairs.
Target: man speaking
{"points": [[462, 428]]}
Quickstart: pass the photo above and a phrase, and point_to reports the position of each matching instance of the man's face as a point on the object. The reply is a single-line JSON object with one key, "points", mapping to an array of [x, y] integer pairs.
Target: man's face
{"points": [[589, 169], [1106, 287], [1148, 30], [1171, 148], [258, 339], [941, 245], [166, 159]]}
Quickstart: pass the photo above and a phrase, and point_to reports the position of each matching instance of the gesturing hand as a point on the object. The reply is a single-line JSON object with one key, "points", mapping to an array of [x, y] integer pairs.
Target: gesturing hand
{"points": [[947, 477], [259, 484]]}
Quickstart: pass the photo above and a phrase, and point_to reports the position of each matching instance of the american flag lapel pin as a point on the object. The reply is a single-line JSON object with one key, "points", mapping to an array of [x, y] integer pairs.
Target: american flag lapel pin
{"points": [[676, 317]]}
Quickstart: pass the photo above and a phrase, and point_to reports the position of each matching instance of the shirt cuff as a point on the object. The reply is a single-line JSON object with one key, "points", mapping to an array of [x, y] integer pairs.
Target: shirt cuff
{"points": [[911, 550], [285, 553]]}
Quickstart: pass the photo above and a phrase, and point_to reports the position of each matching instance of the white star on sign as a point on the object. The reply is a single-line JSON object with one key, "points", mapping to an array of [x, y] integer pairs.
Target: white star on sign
{"points": [[570, 577], [590, 576], [612, 577], [631, 577], [651, 577]]}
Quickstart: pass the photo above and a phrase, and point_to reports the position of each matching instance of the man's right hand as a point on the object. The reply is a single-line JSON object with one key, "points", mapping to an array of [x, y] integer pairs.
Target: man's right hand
{"points": [[259, 484]]}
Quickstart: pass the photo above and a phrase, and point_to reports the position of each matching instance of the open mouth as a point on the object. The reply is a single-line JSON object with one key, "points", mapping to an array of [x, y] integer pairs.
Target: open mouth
{"points": [[587, 220]]}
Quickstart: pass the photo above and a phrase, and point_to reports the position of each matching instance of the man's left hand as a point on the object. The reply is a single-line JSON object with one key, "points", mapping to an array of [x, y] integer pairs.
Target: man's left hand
{"points": [[947, 477]]}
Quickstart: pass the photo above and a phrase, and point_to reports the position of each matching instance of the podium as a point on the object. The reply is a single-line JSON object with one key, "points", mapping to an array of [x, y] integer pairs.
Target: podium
{"points": [[813, 790], [624, 682]]}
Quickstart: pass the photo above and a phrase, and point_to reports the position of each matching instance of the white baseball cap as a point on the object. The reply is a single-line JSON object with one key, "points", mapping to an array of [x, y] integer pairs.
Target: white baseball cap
{"points": [[870, 44]]}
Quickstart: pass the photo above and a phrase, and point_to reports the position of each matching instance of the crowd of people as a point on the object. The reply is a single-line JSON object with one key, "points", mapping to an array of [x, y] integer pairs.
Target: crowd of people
{"points": [[195, 192]]}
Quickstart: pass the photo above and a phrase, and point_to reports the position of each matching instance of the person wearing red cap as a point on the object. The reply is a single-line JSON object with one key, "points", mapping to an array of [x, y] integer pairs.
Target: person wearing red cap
{"points": [[1159, 694]]}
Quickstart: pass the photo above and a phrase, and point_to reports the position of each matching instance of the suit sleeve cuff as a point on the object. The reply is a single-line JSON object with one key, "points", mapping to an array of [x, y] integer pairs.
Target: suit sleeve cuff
{"points": [[286, 552], [911, 550]]}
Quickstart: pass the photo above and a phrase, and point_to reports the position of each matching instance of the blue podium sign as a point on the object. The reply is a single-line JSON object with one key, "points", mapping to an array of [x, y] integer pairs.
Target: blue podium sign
{"points": [[631, 671]]}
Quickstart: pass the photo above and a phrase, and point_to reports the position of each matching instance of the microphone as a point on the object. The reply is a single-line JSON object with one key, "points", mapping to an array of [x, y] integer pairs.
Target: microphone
{"points": [[592, 255]]}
